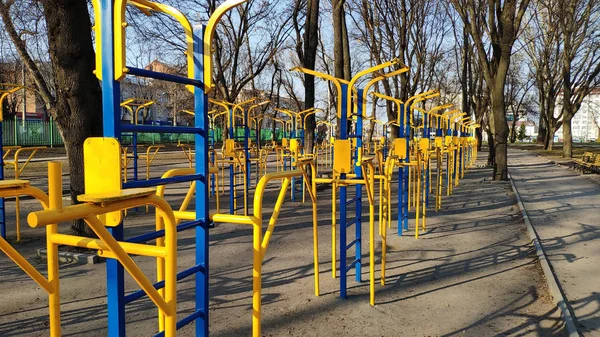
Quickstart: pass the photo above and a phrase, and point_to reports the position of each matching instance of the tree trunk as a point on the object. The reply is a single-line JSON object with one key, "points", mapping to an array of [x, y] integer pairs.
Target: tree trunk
{"points": [[491, 151], [78, 110], [479, 136], [500, 133], [567, 137], [550, 135], [542, 122], [311, 44]]}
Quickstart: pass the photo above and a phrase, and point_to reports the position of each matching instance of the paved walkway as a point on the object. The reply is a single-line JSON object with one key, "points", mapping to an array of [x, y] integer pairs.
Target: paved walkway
{"points": [[564, 208]]}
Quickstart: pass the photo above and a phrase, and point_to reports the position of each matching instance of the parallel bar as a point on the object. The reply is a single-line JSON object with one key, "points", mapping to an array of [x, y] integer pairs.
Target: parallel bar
{"points": [[159, 285], [159, 129], [164, 77], [163, 181]]}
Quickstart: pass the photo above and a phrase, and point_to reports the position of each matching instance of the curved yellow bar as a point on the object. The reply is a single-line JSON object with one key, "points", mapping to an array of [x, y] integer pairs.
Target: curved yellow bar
{"points": [[211, 26], [3, 96], [98, 32], [419, 98], [364, 73], [336, 81], [119, 34]]}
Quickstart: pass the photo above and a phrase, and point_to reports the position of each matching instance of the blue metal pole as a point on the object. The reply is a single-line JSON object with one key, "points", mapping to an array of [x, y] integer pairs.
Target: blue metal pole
{"points": [[358, 172], [2, 215], [427, 135], [292, 161], [343, 196], [231, 166], [401, 182], [407, 160], [202, 205], [111, 96], [247, 149]]}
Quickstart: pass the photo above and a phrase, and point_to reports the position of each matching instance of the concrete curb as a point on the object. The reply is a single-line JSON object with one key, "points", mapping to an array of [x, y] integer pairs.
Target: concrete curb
{"points": [[559, 298]]}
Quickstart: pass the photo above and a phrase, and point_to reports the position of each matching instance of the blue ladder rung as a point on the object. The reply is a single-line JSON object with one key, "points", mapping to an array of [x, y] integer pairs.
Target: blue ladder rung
{"points": [[164, 76], [352, 200], [352, 222], [159, 285], [352, 265], [352, 243], [185, 321], [354, 136]]}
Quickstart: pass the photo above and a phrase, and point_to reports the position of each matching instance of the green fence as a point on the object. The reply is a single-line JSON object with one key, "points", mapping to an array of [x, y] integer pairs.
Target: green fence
{"points": [[45, 133], [30, 133]]}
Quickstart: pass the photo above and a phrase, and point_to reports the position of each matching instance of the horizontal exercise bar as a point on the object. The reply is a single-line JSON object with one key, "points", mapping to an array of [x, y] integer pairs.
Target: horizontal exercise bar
{"points": [[161, 233], [159, 129], [163, 181], [185, 321], [352, 265], [352, 222], [352, 200], [159, 285], [352, 243], [164, 77]]}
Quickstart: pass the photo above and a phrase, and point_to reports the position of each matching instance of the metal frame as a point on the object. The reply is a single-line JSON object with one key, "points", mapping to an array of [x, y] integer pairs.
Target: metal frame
{"points": [[110, 42]]}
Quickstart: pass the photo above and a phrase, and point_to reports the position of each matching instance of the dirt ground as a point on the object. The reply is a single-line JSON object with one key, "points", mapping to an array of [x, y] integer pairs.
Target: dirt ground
{"points": [[473, 273]]}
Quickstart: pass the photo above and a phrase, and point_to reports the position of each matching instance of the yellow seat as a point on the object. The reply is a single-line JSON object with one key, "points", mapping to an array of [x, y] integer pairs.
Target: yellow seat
{"points": [[5, 184], [108, 197]]}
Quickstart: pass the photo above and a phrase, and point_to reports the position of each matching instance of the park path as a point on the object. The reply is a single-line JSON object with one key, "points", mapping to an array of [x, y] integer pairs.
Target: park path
{"points": [[564, 208]]}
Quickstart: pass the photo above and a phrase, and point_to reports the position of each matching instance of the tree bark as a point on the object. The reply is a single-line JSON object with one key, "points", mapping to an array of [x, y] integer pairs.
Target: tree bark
{"points": [[500, 133], [311, 44], [567, 137], [78, 111]]}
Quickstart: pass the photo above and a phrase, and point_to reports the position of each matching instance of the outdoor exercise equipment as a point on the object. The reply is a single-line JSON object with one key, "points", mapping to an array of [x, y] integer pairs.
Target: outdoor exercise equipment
{"points": [[111, 69], [349, 169], [7, 89]]}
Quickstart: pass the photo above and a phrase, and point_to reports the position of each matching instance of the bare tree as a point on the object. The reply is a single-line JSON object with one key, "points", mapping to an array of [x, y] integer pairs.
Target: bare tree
{"points": [[579, 21], [502, 21], [411, 30], [544, 48], [76, 104]]}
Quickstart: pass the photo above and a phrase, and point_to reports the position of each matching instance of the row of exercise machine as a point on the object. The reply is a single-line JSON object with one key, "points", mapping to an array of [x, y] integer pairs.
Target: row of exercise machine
{"points": [[356, 166]]}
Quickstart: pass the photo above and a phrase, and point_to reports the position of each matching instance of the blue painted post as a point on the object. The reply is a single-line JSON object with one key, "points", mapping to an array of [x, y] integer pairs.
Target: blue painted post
{"points": [[2, 215], [202, 206], [232, 187], [343, 122], [111, 121], [293, 136], [402, 211], [358, 172], [247, 149], [407, 160], [427, 135]]}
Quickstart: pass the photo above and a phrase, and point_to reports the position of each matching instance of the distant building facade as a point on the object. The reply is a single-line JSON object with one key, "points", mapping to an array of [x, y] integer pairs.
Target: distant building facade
{"points": [[585, 124]]}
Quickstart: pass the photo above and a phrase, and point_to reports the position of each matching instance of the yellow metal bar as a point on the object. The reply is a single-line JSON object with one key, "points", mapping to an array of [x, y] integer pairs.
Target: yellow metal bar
{"points": [[30, 270], [103, 248], [271, 226], [211, 26], [54, 203]]}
